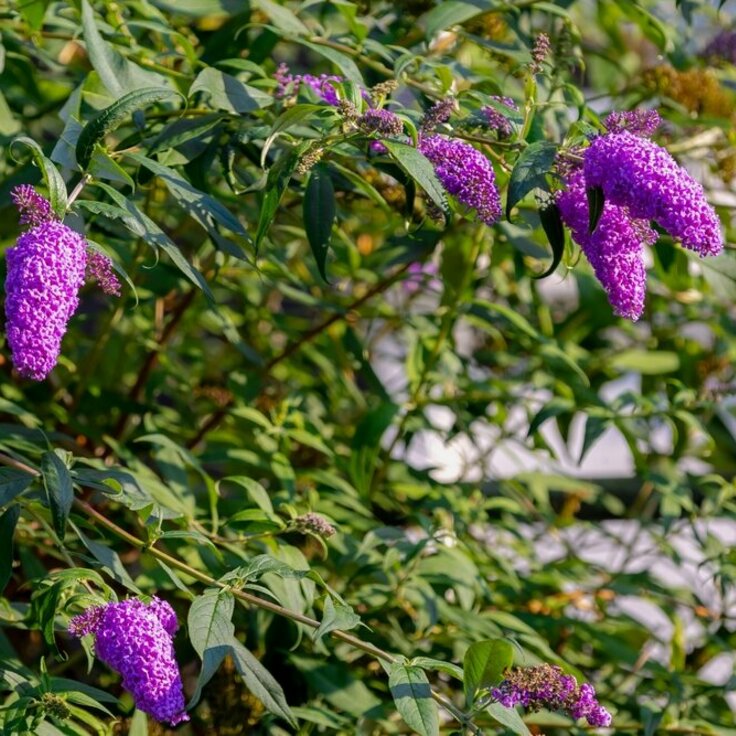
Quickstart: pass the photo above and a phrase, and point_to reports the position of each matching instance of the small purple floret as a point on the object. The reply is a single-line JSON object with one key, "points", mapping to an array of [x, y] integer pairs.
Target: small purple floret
{"points": [[465, 173], [289, 84], [497, 121], [45, 272], [34, 209], [99, 268], [136, 640], [636, 173], [546, 686]]}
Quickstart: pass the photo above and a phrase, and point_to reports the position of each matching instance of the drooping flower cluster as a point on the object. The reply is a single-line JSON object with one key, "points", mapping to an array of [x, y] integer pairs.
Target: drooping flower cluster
{"points": [[722, 47], [289, 84], [46, 269], [438, 114], [496, 120], [465, 173], [99, 268], [539, 52], [546, 686], [419, 274], [314, 523], [641, 183], [33, 208], [383, 122], [615, 249], [636, 173], [135, 639], [637, 122]]}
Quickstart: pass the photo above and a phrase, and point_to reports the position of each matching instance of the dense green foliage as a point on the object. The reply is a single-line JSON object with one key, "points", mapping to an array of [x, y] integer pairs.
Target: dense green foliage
{"points": [[274, 353]]}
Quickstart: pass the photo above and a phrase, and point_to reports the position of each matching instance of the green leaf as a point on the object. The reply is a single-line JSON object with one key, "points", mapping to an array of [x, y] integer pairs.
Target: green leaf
{"points": [[646, 362], [413, 698], [226, 92], [319, 214], [450, 13], [33, 11], [509, 718], [343, 62], [144, 227], [110, 561], [211, 632], [279, 176], [117, 73], [261, 682], [420, 169], [484, 664], [336, 616], [282, 17], [57, 482], [555, 408], [530, 172], [596, 201], [12, 484], [291, 116], [595, 427], [549, 216], [427, 663], [113, 116], [51, 176], [202, 207], [7, 528]]}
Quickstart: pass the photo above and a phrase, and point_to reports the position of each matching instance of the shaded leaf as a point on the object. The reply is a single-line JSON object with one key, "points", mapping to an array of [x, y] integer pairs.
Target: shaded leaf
{"points": [[420, 169], [484, 664], [319, 215], [549, 216], [7, 528], [596, 201], [57, 482], [530, 172], [413, 698], [336, 616]]}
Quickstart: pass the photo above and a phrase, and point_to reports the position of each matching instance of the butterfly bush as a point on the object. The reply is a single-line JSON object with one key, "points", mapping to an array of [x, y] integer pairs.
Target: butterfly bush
{"points": [[288, 84], [46, 269], [465, 173], [136, 640], [615, 249], [547, 686], [494, 120], [637, 122], [637, 173], [99, 268]]}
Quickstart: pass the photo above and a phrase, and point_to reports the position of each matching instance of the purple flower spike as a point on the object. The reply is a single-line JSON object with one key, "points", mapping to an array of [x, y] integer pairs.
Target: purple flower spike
{"points": [[546, 686], [495, 120], [136, 640], [637, 122], [34, 209], [638, 174], [465, 173], [383, 122], [45, 272], [289, 84], [615, 249], [99, 268]]}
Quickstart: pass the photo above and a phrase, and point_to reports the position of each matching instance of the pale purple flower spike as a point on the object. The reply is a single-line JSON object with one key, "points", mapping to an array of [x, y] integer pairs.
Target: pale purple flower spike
{"points": [[136, 640], [99, 268], [547, 686]]}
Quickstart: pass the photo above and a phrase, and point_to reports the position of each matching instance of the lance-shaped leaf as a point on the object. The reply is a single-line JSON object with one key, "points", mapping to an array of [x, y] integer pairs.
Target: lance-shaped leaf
{"points": [[530, 172], [57, 482], [319, 215], [413, 698]]}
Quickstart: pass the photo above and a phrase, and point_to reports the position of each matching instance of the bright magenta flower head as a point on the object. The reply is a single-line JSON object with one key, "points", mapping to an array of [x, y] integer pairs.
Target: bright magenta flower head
{"points": [[615, 249], [135, 639], [636, 173], [465, 173], [46, 269]]}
